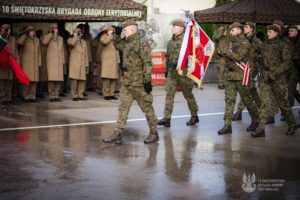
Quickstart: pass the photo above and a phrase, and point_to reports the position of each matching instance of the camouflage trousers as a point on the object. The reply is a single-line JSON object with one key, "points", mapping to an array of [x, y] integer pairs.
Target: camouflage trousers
{"points": [[293, 81], [127, 95], [279, 93], [231, 90], [253, 95], [221, 71], [186, 85]]}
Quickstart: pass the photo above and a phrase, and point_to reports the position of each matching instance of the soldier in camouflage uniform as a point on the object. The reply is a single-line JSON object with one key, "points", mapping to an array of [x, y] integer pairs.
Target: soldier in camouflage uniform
{"points": [[221, 41], [255, 50], [237, 51], [137, 84], [174, 79], [276, 58], [294, 43]]}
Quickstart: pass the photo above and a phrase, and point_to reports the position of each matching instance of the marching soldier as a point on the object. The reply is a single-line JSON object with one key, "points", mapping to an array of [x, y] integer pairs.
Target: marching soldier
{"points": [[78, 64], [137, 84], [276, 58], [55, 62], [30, 61], [174, 79], [255, 50], [236, 54], [6, 75]]}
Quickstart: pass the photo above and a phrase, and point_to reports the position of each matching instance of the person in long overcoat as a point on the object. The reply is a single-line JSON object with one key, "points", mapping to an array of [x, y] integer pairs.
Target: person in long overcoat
{"points": [[30, 62], [55, 62], [109, 62], [78, 64]]}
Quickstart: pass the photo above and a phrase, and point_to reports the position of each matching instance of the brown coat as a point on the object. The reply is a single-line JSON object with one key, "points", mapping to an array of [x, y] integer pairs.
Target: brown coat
{"points": [[78, 61], [43, 69], [7, 74], [109, 58], [55, 57], [31, 56]]}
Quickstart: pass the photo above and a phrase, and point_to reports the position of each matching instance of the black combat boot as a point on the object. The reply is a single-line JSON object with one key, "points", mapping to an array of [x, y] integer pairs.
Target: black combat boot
{"points": [[114, 138], [252, 127], [237, 116], [258, 133], [225, 130], [291, 130], [152, 138], [164, 122], [194, 120], [270, 120]]}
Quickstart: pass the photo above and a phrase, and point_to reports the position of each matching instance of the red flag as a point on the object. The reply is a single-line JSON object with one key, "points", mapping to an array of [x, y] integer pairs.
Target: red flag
{"points": [[197, 48], [6, 59]]}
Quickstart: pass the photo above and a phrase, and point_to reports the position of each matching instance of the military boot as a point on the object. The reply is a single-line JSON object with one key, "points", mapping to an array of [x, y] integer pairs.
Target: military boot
{"points": [[114, 138], [258, 133], [194, 120], [291, 130], [252, 127], [270, 120], [152, 138], [237, 116], [164, 122], [225, 130]]}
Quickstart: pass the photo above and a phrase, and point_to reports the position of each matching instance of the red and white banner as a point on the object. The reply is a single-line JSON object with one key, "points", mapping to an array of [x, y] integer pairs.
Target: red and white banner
{"points": [[246, 69], [196, 51], [159, 67]]}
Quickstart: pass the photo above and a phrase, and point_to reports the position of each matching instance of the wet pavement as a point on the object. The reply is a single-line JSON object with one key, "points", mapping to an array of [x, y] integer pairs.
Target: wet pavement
{"points": [[54, 151]]}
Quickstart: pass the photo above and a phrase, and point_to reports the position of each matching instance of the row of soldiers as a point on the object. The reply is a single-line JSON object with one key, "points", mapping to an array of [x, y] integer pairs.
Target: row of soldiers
{"points": [[53, 59], [275, 63]]}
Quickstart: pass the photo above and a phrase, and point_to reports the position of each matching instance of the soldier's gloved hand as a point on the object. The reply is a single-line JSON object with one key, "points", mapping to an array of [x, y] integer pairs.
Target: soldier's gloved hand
{"points": [[148, 87]]}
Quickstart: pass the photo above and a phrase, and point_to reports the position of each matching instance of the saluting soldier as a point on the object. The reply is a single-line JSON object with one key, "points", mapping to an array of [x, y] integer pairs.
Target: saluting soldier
{"points": [[137, 84], [6, 75], [276, 59], [55, 62], [78, 64], [174, 79], [30, 62], [236, 54]]}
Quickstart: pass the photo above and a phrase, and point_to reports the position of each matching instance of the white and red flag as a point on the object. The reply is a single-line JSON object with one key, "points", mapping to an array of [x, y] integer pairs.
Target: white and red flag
{"points": [[196, 51], [246, 70]]}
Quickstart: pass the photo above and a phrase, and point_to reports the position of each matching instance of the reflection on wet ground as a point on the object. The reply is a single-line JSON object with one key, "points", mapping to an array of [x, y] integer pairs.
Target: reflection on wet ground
{"points": [[187, 163]]}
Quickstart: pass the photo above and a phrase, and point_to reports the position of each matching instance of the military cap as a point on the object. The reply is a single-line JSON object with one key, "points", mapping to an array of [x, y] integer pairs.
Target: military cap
{"points": [[29, 28], [274, 28], [279, 23], [235, 25], [178, 22], [293, 27], [129, 23], [5, 26], [251, 24], [107, 28], [53, 26]]}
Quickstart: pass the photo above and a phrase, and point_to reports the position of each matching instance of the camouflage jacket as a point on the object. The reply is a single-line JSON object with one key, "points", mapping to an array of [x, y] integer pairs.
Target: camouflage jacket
{"points": [[136, 61], [256, 46], [237, 51], [276, 61], [173, 51]]}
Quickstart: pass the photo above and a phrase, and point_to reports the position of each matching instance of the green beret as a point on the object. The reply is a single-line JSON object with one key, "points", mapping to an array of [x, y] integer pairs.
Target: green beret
{"points": [[129, 23]]}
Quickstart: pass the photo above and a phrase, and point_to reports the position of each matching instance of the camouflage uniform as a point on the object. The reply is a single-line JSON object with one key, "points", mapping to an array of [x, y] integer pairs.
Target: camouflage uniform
{"points": [[138, 68], [276, 58], [255, 49], [174, 79], [237, 51]]}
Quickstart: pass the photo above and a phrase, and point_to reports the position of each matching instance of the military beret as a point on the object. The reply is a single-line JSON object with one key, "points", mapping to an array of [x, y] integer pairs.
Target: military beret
{"points": [[235, 25], [106, 28], [251, 24], [53, 26], [178, 22], [29, 28], [129, 23], [5, 26], [293, 27], [274, 28]]}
